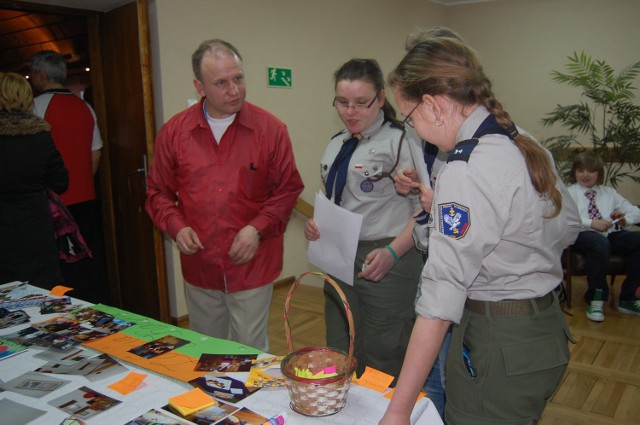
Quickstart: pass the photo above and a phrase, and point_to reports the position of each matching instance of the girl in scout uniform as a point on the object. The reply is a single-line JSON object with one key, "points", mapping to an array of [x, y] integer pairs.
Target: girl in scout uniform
{"points": [[357, 169], [500, 219]]}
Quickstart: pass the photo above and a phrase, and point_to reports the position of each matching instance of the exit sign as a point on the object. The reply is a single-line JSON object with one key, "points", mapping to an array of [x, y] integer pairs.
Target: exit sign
{"points": [[279, 77]]}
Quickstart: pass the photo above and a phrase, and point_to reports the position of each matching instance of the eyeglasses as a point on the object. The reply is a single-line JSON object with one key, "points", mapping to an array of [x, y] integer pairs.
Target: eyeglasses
{"points": [[358, 106], [407, 120]]}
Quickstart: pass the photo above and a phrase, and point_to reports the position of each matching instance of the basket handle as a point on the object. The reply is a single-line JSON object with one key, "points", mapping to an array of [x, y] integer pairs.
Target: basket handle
{"points": [[345, 303]]}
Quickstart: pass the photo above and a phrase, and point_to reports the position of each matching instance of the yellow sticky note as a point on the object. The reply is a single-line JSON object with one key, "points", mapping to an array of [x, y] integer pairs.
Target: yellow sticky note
{"points": [[60, 290], [128, 383], [390, 394], [374, 379]]}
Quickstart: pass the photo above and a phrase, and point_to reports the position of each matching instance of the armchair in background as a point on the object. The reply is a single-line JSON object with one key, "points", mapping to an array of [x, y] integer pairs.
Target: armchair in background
{"points": [[573, 263]]}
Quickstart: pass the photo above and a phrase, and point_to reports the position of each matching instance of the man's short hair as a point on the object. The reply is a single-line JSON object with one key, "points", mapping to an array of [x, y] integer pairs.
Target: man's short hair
{"points": [[214, 46], [50, 63]]}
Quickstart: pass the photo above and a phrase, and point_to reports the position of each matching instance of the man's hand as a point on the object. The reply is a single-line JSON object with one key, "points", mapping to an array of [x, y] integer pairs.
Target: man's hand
{"points": [[244, 245], [188, 241]]}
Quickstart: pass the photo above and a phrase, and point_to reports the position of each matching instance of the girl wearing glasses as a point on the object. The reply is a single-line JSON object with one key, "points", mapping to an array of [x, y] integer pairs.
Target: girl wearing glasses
{"points": [[500, 219], [357, 169]]}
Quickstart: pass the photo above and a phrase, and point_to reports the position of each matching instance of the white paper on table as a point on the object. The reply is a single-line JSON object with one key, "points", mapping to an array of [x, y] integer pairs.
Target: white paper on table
{"points": [[364, 407], [335, 251]]}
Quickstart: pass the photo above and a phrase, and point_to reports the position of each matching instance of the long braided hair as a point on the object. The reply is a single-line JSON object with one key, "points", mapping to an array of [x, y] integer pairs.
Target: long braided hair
{"points": [[447, 66]]}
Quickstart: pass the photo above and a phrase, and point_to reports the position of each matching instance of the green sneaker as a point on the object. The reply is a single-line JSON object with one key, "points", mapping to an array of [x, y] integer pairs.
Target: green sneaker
{"points": [[595, 308], [595, 311], [629, 307]]}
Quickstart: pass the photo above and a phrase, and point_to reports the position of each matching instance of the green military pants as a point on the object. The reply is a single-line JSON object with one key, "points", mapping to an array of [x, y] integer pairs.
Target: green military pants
{"points": [[383, 312], [519, 363]]}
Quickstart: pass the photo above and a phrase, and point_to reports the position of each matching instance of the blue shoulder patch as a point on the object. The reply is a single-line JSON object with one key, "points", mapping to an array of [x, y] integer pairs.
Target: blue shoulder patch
{"points": [[462, 151], [454, 220]]}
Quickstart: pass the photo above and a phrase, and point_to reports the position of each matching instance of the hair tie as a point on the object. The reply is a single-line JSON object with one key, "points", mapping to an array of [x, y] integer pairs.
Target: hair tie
{"points": [[512, 130]]}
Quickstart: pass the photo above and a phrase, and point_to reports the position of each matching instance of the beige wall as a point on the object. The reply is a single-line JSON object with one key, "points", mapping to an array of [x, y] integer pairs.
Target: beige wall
{"points": [[519, 41]]}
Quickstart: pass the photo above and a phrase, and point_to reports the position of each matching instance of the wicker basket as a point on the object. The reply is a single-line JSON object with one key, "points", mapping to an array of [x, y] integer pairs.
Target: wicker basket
{"points": [[325, 396]]}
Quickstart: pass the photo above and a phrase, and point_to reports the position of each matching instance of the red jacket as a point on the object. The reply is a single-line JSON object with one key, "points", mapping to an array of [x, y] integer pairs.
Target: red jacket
{"points": [[249, 178]]}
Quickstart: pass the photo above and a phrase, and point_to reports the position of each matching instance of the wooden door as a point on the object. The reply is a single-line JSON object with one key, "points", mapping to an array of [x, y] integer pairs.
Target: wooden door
{"points": [[123, 71]]}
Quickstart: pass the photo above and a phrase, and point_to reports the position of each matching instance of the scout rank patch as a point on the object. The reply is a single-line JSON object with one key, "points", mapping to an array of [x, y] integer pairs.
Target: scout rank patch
{"points": [[454, 220]]}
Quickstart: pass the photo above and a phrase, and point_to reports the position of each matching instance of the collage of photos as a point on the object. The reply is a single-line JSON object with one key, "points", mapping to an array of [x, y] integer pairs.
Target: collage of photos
{"points": [[69, 330], [58, 341]]}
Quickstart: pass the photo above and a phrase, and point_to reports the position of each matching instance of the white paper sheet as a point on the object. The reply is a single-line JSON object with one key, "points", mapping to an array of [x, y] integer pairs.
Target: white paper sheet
{"points": [[335, 251]]}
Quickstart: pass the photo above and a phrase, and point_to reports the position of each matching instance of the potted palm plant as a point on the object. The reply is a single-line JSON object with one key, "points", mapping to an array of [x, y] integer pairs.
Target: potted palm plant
{"points": [[606, 119]]}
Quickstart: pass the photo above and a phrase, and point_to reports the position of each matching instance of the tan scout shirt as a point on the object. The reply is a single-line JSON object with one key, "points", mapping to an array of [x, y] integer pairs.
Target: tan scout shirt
{"points": [[490, 240], [385, 212]]}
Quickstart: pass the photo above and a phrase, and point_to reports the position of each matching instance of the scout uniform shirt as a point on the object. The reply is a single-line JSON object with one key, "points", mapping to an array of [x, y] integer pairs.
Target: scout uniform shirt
{"points": [[385, 212], [490, 239]]}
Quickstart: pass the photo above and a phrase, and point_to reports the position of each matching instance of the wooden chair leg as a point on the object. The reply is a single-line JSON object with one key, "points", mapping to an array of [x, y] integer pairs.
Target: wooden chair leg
{"points": [[612, 293], [566, 254]]}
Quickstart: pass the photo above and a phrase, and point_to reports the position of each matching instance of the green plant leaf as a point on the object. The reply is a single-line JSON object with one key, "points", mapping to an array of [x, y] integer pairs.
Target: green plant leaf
{"points": [[605, 120]]}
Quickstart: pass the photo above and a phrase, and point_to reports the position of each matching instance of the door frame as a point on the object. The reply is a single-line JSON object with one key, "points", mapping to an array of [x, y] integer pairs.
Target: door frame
{"points": [[109, 212]]}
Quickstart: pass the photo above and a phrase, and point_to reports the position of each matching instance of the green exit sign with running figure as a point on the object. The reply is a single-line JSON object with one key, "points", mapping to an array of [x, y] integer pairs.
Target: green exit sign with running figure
{"points": [[279, 77]]}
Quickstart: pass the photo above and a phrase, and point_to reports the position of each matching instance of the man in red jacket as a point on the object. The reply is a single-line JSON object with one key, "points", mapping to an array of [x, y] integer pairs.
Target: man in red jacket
{"points": [[222, 184]]}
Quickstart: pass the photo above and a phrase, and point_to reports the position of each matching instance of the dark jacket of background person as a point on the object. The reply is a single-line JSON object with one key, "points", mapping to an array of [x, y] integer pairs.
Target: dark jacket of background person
{"points": [[29, 164]]}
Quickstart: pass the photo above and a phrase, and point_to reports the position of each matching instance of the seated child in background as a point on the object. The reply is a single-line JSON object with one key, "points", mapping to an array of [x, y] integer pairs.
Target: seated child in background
{"points": [[606, 216]]}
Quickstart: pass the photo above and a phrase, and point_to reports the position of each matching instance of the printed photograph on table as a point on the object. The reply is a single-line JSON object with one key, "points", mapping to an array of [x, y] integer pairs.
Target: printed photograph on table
{"points": [[81, 334], [33, 384], [106, 366], [243, 416], [66, 358], [57, 305], [94, 368], [265, 372], [84, 403], [159, 346], [20, 294], [72, 421], [69, 327], [10, 318], [9, 348], [99, 321], [34, 336], [223, 387], [224, 363], [156, 417], [56, 324]]}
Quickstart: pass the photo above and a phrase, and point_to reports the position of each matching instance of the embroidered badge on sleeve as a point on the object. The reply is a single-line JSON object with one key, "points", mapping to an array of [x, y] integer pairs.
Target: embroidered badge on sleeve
{"points": [[454, 220]]}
